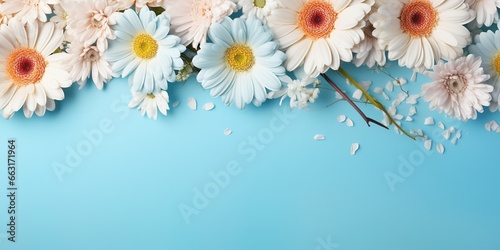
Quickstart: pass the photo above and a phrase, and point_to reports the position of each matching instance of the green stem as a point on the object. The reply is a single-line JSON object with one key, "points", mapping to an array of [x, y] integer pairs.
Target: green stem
{"points": [[374, 101]]}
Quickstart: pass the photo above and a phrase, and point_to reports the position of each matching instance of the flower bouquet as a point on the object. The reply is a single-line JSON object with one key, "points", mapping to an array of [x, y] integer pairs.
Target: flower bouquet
{"points": [[248, 51]]}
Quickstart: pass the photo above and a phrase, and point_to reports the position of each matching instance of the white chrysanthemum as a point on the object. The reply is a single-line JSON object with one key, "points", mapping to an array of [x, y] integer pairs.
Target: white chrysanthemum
{"points": [[488, 48], [90, 21], [458, 88], [318, 34], [259, 8], [299, 91], [486, 11], [144, 51], [419, 32], [30, 77], [368, 51], [86, 61], [191, 19], [150, 103], [28, 10], [242, 63]]}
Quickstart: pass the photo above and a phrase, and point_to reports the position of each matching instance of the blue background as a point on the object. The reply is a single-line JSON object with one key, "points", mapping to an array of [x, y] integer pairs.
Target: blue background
{"points": [[291, 192]]}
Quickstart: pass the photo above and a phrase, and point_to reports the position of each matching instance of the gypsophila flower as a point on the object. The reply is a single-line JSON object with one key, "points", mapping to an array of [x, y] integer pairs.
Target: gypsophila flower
{"points": [[242, 63], [185, 72], [150, 103], [191, 19], [144, 51], [458, 88], [60, 17], [31, 77], [87, 62], [301, 91], [487, 47], [318, 34], [419, 32]]}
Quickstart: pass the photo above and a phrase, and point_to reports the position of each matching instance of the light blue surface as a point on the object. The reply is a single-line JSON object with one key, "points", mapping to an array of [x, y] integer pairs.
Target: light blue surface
{"points": [[292, 193]]}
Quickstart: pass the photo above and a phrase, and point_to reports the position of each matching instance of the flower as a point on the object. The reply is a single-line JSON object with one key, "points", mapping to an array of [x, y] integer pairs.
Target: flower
{"points": [[368, 51], [89, 21], [457, 88], [4, 19], [60, 17], [144, 51], [86, 61], [28, 10], [241, 63], [150, 103], [259, 8], [318, 34], [31, 77], [297, 90], [486, 11], [488, 48], [191, 19], [419, 32]]}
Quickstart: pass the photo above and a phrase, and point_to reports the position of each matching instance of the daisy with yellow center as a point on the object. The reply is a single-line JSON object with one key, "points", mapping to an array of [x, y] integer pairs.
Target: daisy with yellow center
{"points": [[31, 77], [318, 34], [144, 51], [242, 63], [419, 32], [487, 47]]}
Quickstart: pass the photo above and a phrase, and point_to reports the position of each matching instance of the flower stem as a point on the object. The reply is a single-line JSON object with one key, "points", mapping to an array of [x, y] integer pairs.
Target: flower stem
{"points": [[366, 118], [374, 101]]}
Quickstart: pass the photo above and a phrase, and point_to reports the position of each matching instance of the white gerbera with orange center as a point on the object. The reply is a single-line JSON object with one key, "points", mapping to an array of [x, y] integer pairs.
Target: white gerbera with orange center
{"points": [[31, 77], [419, 32], [318, 34]]}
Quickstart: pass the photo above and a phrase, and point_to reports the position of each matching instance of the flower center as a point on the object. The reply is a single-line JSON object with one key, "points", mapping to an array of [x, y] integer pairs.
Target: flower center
{"points": [[145, 46], [25, 66], [418, 18], [92, 54], [455, 83], [200, 10], [317, 19], [496, 63], [98, 19], [240, 57], [150, 96], [259, 3]]}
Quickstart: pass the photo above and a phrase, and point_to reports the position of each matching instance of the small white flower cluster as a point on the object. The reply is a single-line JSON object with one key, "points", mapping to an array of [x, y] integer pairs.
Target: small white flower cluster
{"points": [[299, 91]]}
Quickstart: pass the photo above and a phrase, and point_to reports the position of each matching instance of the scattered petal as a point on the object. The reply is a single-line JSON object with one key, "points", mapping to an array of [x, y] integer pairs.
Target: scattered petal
{"points": [[175, 104], [409, 119], [357, 94], [413, 99], [446, 134], [208, 106], [319, 137], [440, 148], [428, 145], [349, 122], [458, 134], [354, 148], [389, 86], [429, 121], [385, 96], [412, 111], [191, 103], [378, 90], [341, 118], [228, 132], [451, 129], [441, 125]]}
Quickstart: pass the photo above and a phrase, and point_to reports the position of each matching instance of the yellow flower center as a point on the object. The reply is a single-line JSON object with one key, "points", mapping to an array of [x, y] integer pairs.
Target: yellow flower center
{"points": [[145, 46], [419, 18], [259, 3], [317, 19], [496, 63], [25, 66], [150, 96], [240, 57]]}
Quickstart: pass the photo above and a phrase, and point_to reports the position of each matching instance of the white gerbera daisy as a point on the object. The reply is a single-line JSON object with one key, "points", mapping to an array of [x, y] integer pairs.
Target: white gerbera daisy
{"points": [[259, 8], [90, 21], [28, 10], [368, 51], [486, 11], [145, 50], [86, 61], [488, 48], [4, 19], [457, 88], [419, 32], [241, 63], [150, 103], [318, 34], [30, 77], [191, 19]]}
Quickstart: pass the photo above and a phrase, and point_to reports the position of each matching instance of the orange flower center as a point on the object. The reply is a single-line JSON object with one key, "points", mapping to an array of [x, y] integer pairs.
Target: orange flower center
{"points": [[317, 19], [419, 18], [25, 66]]}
